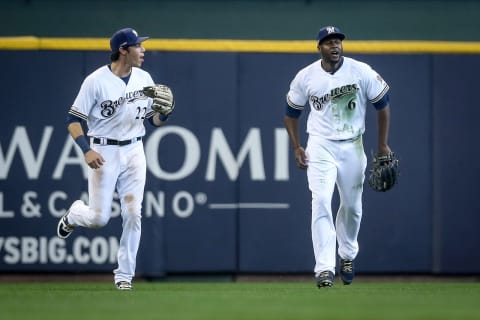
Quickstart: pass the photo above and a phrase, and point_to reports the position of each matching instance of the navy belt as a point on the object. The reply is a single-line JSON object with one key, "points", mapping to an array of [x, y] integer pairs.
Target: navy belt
{"points": [[349, 140], [105, 141]]}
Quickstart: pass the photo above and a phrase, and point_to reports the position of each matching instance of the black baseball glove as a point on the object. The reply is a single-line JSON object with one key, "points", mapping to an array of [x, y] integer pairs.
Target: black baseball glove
{"points": [[384, 173]]}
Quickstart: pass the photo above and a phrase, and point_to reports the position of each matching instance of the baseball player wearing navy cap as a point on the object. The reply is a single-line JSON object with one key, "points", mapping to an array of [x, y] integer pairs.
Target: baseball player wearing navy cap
{"points": [[337, 90], [112, 102]]}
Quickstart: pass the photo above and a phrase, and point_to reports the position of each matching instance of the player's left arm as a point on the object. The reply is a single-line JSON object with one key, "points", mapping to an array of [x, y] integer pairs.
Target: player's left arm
{"points": [[158, 119], [383, 125], [377, 92]]}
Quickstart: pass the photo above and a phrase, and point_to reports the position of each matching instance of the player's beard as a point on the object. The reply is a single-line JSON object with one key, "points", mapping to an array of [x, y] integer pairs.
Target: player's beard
{"points": [[333, 56], [332, 62]]}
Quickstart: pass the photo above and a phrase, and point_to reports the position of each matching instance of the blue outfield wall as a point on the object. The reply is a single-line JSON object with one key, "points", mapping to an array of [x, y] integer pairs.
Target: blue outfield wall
{"points": [[223, 192]]}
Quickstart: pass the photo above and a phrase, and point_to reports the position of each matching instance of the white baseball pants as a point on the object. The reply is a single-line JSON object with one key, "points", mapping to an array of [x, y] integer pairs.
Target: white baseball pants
{"points": [[125, 171], [330, 163]]}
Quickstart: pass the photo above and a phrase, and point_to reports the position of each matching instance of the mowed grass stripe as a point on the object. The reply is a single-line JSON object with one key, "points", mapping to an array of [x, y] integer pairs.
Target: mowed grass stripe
{"points": [[252, 300]]}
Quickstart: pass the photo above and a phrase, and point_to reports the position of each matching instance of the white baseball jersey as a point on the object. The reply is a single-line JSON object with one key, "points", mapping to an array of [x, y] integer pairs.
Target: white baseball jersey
{"points": [[112, 108], [338, 101]]}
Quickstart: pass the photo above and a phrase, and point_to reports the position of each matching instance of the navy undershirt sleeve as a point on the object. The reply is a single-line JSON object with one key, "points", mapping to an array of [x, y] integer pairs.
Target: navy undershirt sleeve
{"points": [[71, 118], [382, 103], [291, 112]]}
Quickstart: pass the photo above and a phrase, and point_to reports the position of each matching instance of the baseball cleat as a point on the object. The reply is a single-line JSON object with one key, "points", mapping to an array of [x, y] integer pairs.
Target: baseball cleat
{"points": [[325, 279], [123, 285], [64, 229], [347, 271]]}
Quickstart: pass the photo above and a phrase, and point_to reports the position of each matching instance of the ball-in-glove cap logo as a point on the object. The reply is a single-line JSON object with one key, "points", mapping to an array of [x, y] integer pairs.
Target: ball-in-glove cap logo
{"points": [[329, 31]]}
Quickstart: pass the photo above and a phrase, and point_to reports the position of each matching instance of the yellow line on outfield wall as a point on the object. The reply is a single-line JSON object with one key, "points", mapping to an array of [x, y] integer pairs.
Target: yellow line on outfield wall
{"points": [[221, 45]]}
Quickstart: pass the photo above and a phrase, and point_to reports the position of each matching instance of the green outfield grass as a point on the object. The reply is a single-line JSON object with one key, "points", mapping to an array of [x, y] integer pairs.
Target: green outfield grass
{"points": [[240, 300]]}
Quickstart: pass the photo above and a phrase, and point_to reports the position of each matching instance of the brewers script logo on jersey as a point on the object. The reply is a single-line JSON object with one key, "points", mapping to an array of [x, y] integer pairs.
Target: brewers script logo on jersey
{"points": [[349, 89], [109, 107]]}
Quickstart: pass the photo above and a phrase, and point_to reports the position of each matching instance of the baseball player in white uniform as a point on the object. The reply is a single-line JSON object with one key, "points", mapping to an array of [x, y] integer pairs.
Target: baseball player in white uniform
{"points": [[112, 103], [338, 90]]}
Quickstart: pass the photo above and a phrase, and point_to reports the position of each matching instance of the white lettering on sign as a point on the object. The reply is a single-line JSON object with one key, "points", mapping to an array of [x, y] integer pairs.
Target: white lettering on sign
{"points": [[220, 149], [192, 153], [44, 250], [32, 162], [220, 156]]}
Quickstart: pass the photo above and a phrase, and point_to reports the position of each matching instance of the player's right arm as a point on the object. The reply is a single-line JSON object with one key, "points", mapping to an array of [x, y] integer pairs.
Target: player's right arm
{"points": [[291, 124], [93, 159], [77, 114], [296, 100]]}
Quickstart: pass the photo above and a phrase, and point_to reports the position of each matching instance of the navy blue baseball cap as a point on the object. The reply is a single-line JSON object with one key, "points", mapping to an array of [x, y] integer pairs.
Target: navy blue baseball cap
{"points": [[328, 32], [125, 37]]}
